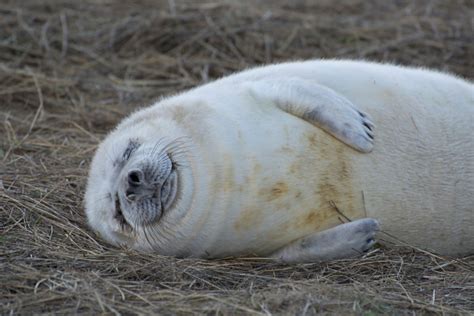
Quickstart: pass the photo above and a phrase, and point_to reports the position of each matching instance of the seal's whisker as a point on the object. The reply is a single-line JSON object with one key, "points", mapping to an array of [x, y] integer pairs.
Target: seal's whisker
{"points": [[176, 142], [157, 146], [103, 197], [147, 238], [157, 237], [179, 143], [161, 236]]}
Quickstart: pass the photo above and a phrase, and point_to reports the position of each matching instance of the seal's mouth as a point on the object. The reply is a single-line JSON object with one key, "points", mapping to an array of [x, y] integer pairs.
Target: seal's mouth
{"points": [[146, 206], [168, 191], [119, 215]]}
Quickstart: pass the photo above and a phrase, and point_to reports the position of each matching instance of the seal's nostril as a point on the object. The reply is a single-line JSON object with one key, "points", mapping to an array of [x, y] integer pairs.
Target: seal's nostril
{"points": [[135, 177], [130, 194]]}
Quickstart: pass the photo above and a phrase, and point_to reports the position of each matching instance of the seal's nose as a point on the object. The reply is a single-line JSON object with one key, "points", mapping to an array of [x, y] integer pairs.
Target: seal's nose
{"points": [[135, 178], [138, 187]]}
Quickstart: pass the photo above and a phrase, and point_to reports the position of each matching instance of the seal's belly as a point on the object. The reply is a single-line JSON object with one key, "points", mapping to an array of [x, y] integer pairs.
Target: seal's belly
{"points": [[277, 191]]}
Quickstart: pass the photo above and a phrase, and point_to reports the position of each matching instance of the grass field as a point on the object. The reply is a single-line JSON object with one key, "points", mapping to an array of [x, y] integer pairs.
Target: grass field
{"points": [[70, 70]]}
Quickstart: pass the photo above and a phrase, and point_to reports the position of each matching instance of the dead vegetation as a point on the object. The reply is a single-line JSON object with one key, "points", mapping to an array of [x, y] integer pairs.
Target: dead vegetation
{"points": [[69, 70]]}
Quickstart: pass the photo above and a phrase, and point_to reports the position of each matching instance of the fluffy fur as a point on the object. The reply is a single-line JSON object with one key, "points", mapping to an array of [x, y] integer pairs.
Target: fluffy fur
{"points": [[255, 178]]}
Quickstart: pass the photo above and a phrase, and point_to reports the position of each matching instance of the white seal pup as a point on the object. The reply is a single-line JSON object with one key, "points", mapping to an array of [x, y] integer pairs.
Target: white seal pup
{"points": [[253, 164]]}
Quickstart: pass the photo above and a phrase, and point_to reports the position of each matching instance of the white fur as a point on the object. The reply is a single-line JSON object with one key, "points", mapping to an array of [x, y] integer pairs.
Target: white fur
{"points": [[260, 178]]}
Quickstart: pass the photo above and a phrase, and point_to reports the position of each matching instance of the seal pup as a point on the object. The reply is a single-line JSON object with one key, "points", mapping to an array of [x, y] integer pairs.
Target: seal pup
{"points": [[253, 164]]}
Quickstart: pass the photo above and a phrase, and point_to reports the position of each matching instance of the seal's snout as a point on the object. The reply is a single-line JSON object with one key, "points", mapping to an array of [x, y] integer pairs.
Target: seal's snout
{"points": [[148, 189], [137, 187], [135, 178]]}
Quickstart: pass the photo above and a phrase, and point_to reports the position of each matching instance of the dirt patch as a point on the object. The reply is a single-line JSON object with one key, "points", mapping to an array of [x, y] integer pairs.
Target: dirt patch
{"points": [[70, 70]]}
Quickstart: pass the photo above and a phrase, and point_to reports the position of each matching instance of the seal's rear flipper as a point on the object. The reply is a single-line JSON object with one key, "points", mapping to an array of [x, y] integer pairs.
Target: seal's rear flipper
{"points": [[340, 242], [320, 106]]}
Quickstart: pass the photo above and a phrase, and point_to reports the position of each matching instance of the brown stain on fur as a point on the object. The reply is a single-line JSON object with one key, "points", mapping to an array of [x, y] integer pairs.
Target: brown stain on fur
{"points": [[185, 114], [294, 168], [257, 168], [278, 190], [312, 140], [314, 218], [194, 117], [249, 218], [334, 184], [227, 175], [181, 114], [326, 165]]}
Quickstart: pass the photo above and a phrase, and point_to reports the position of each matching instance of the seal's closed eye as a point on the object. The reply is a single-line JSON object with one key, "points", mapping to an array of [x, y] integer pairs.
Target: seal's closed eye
{"points": [[132, 146]]}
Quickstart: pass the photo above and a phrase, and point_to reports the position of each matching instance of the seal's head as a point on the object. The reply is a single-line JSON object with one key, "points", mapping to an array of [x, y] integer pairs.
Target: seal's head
{"points": [[146, 185], [137, 184]]}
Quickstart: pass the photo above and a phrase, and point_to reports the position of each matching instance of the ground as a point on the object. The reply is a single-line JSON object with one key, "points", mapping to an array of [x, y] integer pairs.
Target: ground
{"points": [[70, 70]]}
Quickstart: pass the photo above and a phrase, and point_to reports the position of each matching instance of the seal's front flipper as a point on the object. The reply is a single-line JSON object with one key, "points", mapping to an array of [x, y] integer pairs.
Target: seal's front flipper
{"points": [[320, 106], [340, 242]]}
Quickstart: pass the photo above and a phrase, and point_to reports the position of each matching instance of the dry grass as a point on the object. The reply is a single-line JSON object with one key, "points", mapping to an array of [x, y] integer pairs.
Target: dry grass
{"points": [[69, 70]]}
